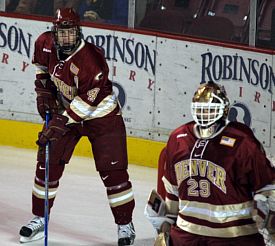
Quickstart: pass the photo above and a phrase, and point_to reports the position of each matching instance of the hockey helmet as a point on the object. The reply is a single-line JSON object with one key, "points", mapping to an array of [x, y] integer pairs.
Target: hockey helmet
{"points": [[209, 104], [66, 29]]}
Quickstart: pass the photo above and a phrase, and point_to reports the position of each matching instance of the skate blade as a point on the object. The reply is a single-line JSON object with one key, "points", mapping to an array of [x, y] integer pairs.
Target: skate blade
{"points": [[36, 237]]}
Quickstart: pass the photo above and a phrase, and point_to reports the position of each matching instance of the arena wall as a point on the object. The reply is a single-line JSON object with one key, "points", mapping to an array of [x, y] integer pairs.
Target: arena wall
{"points": [[154, 77]]}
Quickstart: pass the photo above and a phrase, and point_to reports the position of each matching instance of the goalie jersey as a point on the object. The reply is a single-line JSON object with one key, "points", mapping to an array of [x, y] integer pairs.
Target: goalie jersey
{"points": [[84, 91], [212, 181]]}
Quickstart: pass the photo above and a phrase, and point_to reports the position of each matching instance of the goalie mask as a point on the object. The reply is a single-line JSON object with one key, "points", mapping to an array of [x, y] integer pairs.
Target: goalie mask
{"points": [[66, 30], [209, 106]]}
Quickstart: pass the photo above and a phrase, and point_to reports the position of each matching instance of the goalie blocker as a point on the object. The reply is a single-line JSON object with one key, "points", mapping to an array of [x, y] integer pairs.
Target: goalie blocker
{"points": [[264, 213], [156, 213]]}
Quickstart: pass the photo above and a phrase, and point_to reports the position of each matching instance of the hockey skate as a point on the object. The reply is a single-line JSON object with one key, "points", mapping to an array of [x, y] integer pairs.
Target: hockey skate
{"points": [[126, 234], [33, 231]]}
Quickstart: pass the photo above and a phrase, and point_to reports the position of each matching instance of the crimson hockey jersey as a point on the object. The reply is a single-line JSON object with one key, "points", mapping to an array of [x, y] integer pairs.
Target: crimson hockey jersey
{"points": [[81, 79], [212, 181]]}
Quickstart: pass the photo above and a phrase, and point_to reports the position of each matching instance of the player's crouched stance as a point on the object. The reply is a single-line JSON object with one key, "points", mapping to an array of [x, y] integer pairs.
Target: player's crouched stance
{"points": [[218, 182], [72, 84]]}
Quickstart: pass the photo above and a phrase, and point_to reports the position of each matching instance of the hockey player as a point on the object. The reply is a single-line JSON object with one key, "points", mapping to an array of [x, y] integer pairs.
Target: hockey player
{"points": [[72, 83], [212, 171]]}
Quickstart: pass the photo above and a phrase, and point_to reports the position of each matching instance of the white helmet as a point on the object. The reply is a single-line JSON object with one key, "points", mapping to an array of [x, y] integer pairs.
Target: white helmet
{"points": [[209, 104]]}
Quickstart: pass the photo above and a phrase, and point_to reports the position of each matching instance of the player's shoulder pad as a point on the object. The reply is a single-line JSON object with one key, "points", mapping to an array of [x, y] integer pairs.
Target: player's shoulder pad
{"points": [[96, 52], [45, 36], [188, 127], [241, 128], [245, 132], [95, 49]]}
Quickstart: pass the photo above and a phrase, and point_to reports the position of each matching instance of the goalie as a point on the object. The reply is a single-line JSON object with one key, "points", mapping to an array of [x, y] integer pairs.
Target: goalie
{"points": [[213, 171]]}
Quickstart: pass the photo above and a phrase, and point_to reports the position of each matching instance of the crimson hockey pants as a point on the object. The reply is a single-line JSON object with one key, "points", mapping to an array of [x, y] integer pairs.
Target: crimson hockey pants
{"points": [[108, 139]]}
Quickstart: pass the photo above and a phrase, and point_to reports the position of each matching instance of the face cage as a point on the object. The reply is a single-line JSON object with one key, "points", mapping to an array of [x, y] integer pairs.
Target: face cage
{"points": [[67, 39], [206, 114]]}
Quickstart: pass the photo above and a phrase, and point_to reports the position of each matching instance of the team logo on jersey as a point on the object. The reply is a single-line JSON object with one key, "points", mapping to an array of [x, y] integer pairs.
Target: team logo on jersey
{"points": [[47, 50], [228, 141], [182, 135], [92, 94], [74, 69]]}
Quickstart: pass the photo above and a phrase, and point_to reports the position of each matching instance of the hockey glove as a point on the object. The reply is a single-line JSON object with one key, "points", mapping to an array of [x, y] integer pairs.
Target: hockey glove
{"points": [[45, 99], [264, 215], [155, 212], [56, 129]]}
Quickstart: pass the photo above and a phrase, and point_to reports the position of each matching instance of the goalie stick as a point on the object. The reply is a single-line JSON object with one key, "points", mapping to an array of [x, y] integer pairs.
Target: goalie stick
{"points": [[46, 201]]}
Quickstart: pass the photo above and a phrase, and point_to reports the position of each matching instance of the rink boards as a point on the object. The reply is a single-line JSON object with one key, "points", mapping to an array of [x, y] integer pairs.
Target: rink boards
{"points": [[154, 77]]}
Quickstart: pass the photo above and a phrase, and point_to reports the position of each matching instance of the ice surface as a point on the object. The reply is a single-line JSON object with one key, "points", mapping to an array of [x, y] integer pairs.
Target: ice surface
{"points": [[81, 214]]}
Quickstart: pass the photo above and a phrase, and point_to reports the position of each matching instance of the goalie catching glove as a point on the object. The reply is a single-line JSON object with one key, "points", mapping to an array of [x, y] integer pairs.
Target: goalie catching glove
{"points": [[155, 212], [264, 214], [45, 99], [56, 129]]}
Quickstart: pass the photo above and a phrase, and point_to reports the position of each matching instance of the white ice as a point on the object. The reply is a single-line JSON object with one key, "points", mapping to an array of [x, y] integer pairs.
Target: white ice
{"points": [[81, 215]]}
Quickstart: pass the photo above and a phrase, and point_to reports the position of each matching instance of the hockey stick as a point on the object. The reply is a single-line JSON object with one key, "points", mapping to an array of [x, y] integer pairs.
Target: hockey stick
{"points": [[46, 201]]}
